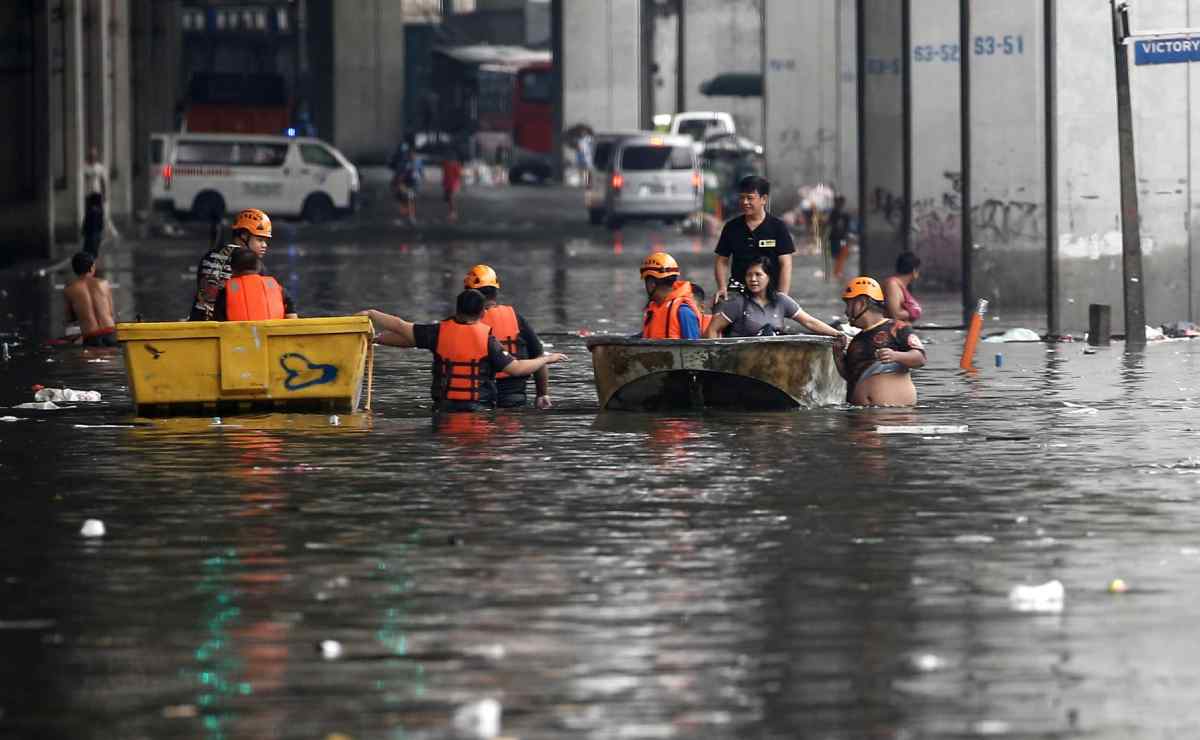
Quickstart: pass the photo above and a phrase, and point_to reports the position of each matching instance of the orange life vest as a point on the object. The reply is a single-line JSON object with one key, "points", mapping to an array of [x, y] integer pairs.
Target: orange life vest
{"points": [[253, 298], [503, 320], [462, 356], [661, 320]]}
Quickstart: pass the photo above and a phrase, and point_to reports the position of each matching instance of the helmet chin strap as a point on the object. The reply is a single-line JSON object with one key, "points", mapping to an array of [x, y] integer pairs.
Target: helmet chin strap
{"points": [[857, 316]]}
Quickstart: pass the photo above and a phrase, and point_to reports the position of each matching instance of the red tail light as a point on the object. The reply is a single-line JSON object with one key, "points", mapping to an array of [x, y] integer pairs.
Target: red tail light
{"points": [[166, 175], [697, 180], [618, 181]]}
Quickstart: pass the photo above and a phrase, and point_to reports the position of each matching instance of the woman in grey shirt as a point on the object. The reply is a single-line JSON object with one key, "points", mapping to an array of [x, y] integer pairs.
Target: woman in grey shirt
{"points": [[760, 311]]}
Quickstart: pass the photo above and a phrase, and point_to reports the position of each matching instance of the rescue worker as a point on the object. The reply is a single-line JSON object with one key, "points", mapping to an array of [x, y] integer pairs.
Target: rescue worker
{"points": [[516, 336], [251, 230], [466, 357], [877, 362], [671, 312], [250, 296]]}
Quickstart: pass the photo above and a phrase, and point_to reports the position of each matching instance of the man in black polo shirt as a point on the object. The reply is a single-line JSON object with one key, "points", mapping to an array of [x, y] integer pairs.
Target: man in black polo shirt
{"points": [[751, 234]]}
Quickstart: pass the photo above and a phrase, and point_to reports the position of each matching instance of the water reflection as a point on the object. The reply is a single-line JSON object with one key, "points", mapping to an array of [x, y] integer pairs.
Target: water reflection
{"points": [[600, 574]]}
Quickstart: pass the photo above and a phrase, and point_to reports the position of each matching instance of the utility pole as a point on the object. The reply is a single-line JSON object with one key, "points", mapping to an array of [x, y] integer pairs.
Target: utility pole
{"points": [[1131, 249]]}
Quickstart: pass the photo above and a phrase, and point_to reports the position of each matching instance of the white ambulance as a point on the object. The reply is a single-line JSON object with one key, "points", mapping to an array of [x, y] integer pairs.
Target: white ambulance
{"points": [[210, 175]]}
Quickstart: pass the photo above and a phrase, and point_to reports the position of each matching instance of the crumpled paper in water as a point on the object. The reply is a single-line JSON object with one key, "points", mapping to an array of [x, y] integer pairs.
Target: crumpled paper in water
{"points": [[65, 394]]}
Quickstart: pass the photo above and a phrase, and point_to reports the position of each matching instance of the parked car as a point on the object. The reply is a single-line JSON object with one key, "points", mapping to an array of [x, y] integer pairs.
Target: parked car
{"points": [[209, 175], [652, 176], [595, 187], [700, 125]]}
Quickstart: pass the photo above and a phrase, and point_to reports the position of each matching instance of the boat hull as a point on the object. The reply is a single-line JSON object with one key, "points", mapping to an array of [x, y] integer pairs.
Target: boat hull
{"points": [[752, 373], [210, 367]]}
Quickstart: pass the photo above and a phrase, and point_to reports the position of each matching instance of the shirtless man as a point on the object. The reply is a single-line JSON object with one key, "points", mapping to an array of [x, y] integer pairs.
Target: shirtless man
{"points": [[877, 362], [89, 301]]}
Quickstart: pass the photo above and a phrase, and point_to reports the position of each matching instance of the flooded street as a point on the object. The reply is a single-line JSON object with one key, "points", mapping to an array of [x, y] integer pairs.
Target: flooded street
{"points": [[600, 575]]}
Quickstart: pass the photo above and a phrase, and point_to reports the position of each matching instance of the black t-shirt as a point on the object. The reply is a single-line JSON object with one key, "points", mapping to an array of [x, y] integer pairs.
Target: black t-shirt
{"points": [[738, 242], [860, 355], [426, 337]]}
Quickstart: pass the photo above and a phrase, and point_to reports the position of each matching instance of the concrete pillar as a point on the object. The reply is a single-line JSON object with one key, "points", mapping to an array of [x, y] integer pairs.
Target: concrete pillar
{"points": [[97, 78], [936, 143], [601, 64], [801, 101], [156, 81], [121, 149], [847, 63], [724, 36], [665, 59], [884, 207], [67, 120], [368, 77]]}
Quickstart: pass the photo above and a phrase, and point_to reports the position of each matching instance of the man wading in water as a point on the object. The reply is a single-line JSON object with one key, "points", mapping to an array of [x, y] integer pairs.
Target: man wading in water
{"points": [[466, 356], [755, 233], [877, 362]]}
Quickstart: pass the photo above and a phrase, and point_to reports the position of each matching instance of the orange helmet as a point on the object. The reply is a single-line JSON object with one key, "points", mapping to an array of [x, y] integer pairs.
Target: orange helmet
{"points": [[863, 285], [254, 221], [481, 276], [659, 265]]}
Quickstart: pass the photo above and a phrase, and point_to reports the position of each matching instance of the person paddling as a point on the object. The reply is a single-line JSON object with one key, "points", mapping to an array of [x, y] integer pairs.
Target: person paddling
{"points": [[877, 362], [515, 335], [466, 356]]}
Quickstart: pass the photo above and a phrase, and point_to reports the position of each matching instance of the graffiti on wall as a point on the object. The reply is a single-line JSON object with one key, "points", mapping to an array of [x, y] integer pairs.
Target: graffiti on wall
{"points": [[936, 225]]}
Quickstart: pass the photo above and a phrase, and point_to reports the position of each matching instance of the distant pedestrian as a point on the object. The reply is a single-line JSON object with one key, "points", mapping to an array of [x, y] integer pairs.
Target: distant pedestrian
{"points": [[95, 183], [839, 232], [406, 181], [451, 183], [93, 224], [583, 156]]}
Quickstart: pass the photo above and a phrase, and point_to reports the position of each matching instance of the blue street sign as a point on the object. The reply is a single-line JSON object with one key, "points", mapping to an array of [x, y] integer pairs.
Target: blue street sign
{"points": [[1167, 50]]}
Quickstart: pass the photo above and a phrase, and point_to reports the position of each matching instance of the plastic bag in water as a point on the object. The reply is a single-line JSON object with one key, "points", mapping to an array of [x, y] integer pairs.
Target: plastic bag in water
{"points": [[65, 394]]}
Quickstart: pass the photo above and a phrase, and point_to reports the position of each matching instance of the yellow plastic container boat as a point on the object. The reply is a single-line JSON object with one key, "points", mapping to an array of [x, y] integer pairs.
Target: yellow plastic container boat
{"points": [[209, 367]]}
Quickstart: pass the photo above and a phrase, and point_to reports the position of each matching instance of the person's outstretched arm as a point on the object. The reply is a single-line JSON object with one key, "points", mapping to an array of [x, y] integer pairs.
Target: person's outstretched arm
{"points": [[394, 331], [520, 368], [814, 325]]}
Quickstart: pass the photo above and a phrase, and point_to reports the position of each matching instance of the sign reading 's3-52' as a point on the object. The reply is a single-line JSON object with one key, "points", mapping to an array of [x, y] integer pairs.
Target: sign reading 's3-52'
{"points": [[1167, 50]]}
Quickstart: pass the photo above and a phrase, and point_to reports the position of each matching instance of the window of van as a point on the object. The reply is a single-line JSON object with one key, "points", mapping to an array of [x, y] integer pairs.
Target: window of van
{"points": [[695, 127], [261, 154], [656, 158], [318, 155], [204, 152]]}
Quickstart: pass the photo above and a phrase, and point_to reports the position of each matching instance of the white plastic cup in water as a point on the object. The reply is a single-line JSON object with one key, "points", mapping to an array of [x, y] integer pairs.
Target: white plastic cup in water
{"points": [[92, 528]]}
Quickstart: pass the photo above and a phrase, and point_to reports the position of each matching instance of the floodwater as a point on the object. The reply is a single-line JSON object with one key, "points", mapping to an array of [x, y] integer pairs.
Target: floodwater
{"points": [[600, 575]]}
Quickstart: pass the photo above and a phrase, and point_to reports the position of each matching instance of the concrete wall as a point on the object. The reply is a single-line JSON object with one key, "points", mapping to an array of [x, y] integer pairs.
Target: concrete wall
{"points": [[368, 78], [601, 67], [936, 142], [1089, 220], [1008, 163], [803, 107], [884, 207], [665, 78], [157, 84], [723, 36]]}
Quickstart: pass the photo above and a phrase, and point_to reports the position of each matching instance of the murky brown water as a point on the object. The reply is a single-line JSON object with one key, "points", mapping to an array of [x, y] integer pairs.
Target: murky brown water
{"points": [[601, 575]]}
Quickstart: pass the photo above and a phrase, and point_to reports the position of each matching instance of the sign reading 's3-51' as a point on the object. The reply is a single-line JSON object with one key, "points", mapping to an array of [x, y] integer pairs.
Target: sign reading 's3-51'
{"points": [[1167, 50]]}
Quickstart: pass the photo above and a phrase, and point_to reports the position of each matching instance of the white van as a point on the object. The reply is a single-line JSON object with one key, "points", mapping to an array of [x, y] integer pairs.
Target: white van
{"points": [[209, 175], [653, 176]]}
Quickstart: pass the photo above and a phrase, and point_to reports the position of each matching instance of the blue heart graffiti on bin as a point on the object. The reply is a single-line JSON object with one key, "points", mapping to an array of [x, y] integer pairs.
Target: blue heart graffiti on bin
{"points": [[303, 373]]}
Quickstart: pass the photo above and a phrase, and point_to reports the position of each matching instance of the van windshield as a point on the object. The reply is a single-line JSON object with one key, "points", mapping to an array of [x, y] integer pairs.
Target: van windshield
{"points": [[656, 158]]}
